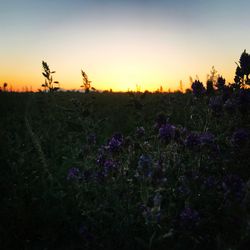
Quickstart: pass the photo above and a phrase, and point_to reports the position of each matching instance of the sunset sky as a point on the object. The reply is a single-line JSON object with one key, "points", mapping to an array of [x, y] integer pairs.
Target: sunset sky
{"points": [[121, 43]]}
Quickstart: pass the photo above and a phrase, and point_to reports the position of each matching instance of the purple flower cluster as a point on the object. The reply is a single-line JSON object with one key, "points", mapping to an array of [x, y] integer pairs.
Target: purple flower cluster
{"points": [[115, 143], [167, 133]]}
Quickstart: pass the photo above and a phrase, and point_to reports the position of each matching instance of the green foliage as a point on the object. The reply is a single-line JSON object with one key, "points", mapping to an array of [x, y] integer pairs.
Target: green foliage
{"points": [[135, 205]]}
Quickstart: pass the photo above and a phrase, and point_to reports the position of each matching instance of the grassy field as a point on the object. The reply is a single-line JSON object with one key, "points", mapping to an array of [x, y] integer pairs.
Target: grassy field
{"points": [[125, 170]]}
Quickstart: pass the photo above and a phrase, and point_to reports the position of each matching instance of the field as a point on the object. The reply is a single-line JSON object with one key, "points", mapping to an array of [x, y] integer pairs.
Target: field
{"points": [[125, 170]]}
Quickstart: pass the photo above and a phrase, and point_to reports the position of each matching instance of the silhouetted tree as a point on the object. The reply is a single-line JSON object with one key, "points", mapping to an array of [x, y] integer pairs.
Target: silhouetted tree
{"points": [[49, 83], [198, 88], [210, 87], [243, 70], [5, 85], [220, 83]]}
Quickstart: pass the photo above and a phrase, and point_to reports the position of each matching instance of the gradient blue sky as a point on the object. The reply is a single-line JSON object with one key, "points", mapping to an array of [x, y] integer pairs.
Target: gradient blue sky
{"points": [[121, 43]]}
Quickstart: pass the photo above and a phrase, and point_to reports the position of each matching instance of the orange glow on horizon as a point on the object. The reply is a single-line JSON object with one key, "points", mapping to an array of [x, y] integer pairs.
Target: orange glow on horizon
{"points": [[119, 73], [118, 81]]}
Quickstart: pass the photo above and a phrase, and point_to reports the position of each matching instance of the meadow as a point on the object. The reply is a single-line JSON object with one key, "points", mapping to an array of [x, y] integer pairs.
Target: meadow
{"points": [[125, 170]]}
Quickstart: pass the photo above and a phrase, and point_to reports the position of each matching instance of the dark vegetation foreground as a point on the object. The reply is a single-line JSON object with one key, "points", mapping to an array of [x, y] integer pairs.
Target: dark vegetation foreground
{"points": [[125, 171]]}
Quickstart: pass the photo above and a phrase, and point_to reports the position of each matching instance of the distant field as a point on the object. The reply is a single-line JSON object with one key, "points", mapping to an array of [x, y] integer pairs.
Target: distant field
{"points": [[124, 171]]}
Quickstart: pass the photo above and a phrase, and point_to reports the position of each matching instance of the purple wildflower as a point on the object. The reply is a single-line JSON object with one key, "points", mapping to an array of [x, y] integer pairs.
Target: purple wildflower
{"points": [[118, 136], [115, 142], [167, 132]]}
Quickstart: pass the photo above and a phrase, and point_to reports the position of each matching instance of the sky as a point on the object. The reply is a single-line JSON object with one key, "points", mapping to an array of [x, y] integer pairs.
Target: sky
{"points": [[121, 44]]}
